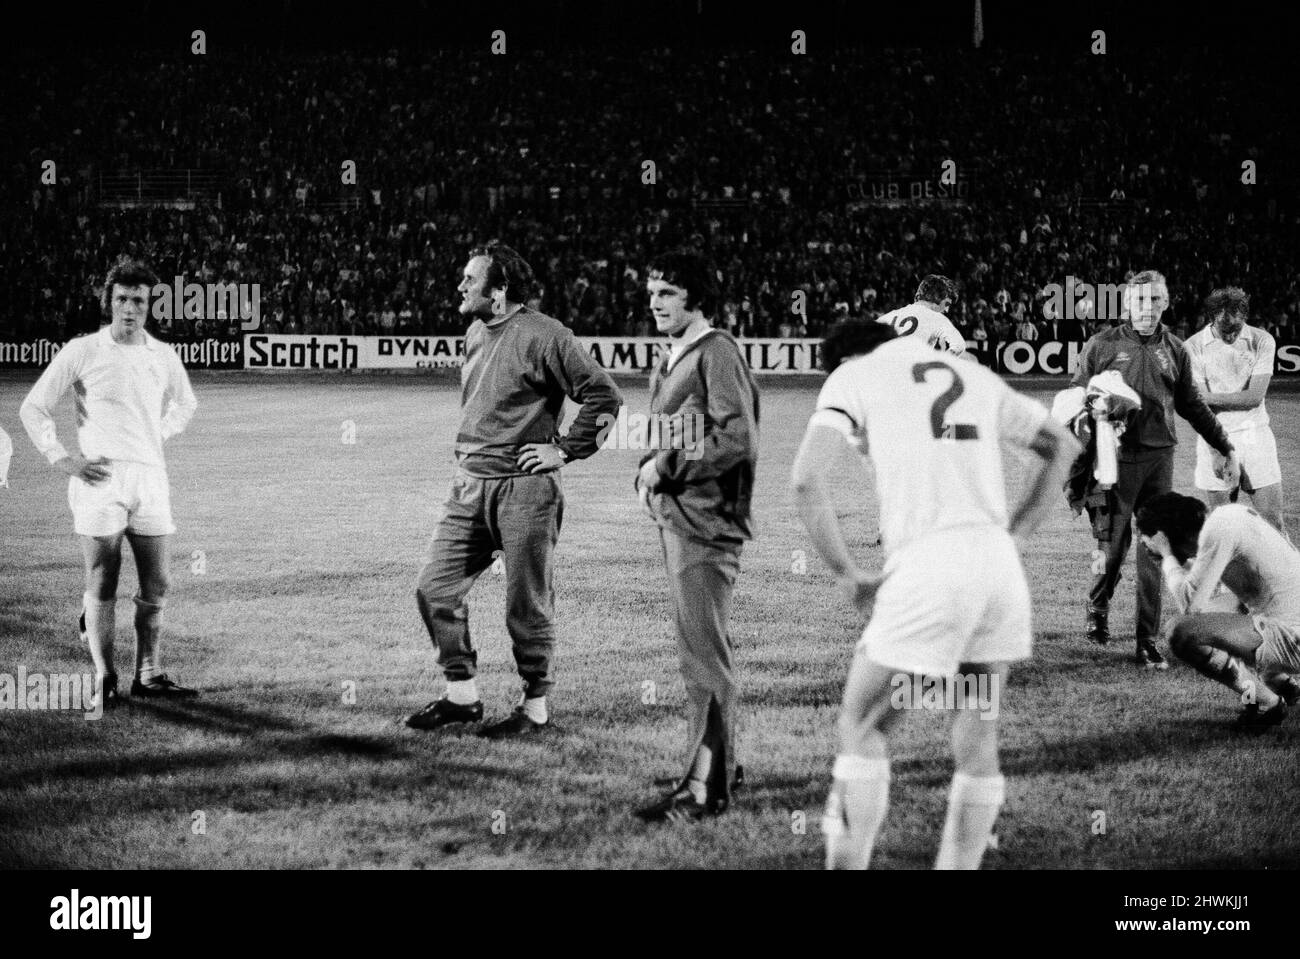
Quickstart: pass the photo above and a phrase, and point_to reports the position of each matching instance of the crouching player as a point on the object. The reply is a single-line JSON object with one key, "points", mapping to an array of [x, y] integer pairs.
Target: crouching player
{"points": [[953, 598], [1234, 546], [117, 484]]}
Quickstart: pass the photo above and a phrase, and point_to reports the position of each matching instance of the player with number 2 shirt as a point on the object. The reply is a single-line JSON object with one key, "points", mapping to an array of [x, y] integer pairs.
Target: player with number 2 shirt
{"points": [[952, 600], [925, 318]]}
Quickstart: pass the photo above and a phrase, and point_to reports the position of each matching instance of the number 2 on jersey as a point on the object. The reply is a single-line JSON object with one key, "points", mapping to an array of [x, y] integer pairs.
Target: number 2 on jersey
{"points": [[901, 325], [953, 431]]}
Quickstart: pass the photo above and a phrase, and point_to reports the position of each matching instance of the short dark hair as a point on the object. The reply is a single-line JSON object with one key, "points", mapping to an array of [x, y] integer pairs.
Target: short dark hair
{"points": [[507, 269], [692, 271], [850, 338], [126, 271], [1179, 517], [1232, 300], [935, 289]]}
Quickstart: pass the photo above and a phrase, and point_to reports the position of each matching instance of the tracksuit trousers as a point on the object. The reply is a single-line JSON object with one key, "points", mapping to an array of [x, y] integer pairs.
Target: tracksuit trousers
{"points": [[701, 578], [520, 516]]}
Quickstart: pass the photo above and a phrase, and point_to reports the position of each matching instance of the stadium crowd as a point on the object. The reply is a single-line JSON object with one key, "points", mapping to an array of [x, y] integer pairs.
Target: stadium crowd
{"points": [[1091, 167]]}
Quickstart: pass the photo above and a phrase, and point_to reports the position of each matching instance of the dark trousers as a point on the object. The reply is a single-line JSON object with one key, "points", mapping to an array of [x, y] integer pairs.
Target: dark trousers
{"points": [[701, 577], [1141, 476], [521, 517]]}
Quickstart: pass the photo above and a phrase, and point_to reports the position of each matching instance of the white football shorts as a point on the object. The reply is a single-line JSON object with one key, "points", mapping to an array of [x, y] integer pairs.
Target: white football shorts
{"points": [[954, 596], [1279, 648], [135, 497], [1257, 450]]}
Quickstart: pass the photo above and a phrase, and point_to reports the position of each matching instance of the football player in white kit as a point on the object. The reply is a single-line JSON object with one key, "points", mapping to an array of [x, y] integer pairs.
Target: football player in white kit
{"points": [[1233, 546], [952, 600], [1233, 364], [132, 393], [925, 318]]}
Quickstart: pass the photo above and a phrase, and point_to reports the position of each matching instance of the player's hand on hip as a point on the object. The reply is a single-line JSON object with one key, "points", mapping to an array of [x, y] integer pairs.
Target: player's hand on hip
{"points": [[88, 471], [539, 457], [861, 588]]}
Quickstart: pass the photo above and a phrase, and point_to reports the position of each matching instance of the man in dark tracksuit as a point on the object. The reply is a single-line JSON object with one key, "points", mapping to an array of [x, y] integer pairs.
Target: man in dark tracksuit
{"points": [[506, 495], [697, 487], [1155, 364]]}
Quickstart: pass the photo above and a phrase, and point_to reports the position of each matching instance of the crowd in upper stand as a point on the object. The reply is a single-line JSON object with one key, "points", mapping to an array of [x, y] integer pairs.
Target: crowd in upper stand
{"points": [[1091, 167]]}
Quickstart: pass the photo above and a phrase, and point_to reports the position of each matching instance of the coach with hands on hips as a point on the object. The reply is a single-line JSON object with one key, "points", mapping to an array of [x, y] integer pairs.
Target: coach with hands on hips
{"points": [[699, 497], [1155, 364], [519, 367]]}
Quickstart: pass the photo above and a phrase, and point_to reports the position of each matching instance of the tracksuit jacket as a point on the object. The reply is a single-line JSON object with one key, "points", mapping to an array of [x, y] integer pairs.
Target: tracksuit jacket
{"points": [[705, 494], [1159, 371]]}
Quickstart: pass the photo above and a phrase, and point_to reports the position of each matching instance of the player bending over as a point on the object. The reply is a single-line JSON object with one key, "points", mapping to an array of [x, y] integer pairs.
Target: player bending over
{"points": [[1233, 365], [925, 318], [132, 393], [1234, 546], [932, 427]]}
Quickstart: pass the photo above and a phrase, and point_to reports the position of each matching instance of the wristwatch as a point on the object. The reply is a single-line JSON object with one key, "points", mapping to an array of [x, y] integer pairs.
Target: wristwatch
{"points": [[563, 455]]}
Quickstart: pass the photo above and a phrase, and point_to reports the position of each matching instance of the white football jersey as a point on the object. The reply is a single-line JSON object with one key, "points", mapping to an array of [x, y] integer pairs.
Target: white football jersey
{"points": [[932, 427], [129, 399], [1222, 368], [1238, 548], [929, 325]]}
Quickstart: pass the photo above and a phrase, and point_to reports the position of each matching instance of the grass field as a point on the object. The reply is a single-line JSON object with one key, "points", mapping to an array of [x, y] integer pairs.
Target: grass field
{"points": [[311, 546]]}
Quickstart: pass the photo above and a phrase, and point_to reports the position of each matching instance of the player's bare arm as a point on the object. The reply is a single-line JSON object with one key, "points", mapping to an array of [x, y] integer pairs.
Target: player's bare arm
{"points": [[1056, 449], [1246, 399], [816, 459], [1192, 406], [91, 471], [37, 414]]}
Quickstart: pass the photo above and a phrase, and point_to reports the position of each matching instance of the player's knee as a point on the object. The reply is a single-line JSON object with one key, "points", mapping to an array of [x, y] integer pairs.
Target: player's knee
{"points": [[101, 580], [860, 726], [1184, 637], [975, 744], [154, 588], [426, 592], [434, 604], [850, 725]]}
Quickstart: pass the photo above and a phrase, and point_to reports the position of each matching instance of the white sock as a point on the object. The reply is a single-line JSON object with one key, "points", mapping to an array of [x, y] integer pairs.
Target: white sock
{"points": [[148, 629], [101, 625], [836, 832], [973, 804], [697, 779], [863, 788], [535, 709], [462, 692], [1241, 679]]}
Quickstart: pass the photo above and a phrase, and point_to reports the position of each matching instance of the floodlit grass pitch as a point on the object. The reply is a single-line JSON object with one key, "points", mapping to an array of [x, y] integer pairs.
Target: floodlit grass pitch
{"points": [[311, 548]]}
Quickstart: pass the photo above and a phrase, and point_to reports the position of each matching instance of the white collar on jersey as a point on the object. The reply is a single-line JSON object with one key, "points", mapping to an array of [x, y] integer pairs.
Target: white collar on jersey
{"points": [[106, 335]]}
